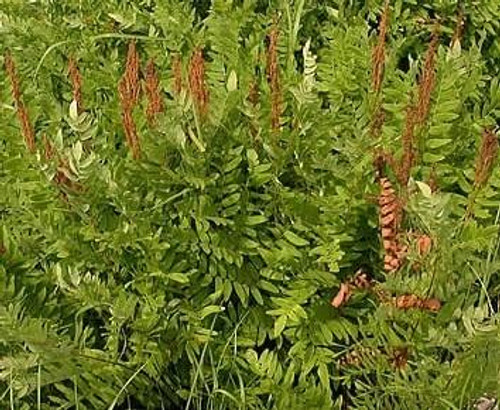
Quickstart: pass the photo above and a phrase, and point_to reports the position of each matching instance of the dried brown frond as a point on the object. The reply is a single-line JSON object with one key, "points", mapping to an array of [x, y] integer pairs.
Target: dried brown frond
{"points": [[177, 73], [378, 52], [197, 85], [359, 356], [153, 92], [411, 301], [486, 157], [458, 32], [389, 220], [22, 112], [76, 81], [48, 148], [408, 142], [427, 80], [273, 77], [360, 281]]}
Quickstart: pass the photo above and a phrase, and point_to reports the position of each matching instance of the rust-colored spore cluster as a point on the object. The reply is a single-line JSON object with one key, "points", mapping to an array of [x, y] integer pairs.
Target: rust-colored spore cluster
{"points": [[197, 86], [76, 81], [153, 92], [486, 158], [129, 90], [378, 53], [427, 80], [177, 73], [22, 112], [273, 77]]}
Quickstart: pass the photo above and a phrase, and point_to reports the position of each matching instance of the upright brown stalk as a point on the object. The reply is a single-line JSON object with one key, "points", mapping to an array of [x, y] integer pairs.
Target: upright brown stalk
{"points": [[486, 158], [22, 112], [273, 76], [153, 92], [427, 80], [76, 81], [378, 52], [197, 86], [129, 90], [407, 139], [177, 73]]}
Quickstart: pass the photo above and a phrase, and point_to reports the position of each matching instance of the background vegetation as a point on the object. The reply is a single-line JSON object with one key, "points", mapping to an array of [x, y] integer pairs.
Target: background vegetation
{"points": [[249, 204]]}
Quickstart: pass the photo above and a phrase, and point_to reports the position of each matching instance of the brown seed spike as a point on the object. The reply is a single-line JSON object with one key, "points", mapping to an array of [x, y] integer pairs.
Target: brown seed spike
{"points": [[177, 73], [273, 76], [76, 81], [197, 86], [22, 112], [378, 53], [427, 80], [486, 157], [153, 92]]}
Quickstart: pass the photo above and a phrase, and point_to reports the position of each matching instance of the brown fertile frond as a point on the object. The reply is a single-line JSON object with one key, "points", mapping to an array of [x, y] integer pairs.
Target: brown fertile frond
{"points": [[153, 92], [197, 86], [408, 142], [486, 157], [129, 90], [378, 52], [22, 112], [76, 81], [132, 72], [177, 73], [273, 76], [127, 118], [427, 79]]}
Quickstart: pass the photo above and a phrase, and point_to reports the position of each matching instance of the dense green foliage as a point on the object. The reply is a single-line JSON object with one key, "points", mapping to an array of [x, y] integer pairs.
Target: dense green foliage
{"points": [[200, 275]]}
